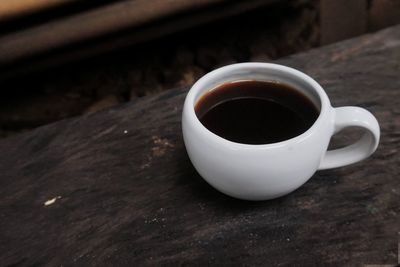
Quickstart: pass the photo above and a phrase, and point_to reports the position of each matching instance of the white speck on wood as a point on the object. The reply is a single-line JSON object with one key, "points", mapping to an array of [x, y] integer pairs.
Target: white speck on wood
{"points": [[51, 201]]}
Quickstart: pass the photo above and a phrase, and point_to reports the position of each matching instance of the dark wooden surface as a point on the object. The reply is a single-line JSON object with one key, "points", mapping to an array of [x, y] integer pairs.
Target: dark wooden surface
{"points": [[129, 195]]}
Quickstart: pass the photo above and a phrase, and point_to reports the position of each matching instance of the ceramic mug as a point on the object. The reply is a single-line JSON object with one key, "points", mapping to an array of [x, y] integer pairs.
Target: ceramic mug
{"points": [[260, 172]]}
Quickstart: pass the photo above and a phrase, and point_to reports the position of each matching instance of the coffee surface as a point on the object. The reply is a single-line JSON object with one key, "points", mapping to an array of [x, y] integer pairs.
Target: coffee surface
{"points": [[256, 112]]}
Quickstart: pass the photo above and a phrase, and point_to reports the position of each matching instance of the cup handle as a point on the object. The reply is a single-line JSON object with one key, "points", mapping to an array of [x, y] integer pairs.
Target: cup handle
{"points": [[364, 147]]}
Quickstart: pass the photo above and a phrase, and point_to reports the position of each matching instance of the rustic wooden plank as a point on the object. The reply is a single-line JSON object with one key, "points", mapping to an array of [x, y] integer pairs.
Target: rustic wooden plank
{"points": [[9, 9], [128, 194], [133, 36], [383, 13], [342, 19], [115, 17]]}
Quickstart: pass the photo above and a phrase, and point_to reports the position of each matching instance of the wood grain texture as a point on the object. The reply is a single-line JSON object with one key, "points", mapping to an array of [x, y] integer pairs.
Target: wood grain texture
{"points": [[9, 9], [128, 195], [342, 19], [114, 17]]}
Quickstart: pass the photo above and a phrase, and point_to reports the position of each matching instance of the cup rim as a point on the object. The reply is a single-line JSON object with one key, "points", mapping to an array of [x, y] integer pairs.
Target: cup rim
{"points": [[189, 106]]}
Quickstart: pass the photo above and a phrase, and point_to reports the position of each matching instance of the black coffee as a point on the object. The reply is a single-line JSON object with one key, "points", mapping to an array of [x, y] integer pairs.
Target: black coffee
{"points": [[256, 112]]}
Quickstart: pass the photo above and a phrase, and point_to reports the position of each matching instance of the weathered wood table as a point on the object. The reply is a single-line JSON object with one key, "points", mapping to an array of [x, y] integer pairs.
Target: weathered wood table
{"points": [[117, 188]]}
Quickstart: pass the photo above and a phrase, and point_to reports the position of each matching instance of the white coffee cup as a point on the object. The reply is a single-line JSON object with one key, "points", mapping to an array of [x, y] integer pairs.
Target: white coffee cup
{"points": [[260, 172]]}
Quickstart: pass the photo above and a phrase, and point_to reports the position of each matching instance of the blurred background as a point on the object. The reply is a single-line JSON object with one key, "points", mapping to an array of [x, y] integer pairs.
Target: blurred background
{"points": [[64, 58]]}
